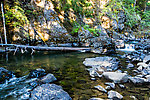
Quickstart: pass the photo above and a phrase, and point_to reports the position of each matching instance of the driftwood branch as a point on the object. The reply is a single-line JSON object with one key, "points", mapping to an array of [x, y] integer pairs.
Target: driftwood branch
{"points": [[40, 48]]}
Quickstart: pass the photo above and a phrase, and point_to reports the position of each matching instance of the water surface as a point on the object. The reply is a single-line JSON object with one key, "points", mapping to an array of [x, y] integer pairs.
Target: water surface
{"points": [[72, 75]]}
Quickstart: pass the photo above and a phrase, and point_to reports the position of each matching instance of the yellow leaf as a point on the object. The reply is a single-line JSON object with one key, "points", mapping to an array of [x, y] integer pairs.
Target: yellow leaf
{"points": [[132, 4]]}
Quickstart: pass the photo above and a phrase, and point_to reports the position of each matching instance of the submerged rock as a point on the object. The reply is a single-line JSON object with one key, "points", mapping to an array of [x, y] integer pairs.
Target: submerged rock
{"points": [[137, 80], [100, 88], [130, 65], [49, 92], [37, 73], [116, 77], [113, 94], [5, 74], [48, 78]]}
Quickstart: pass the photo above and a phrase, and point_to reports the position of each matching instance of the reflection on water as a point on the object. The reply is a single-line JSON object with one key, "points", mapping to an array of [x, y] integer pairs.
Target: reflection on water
{"points": [[68, 68]]}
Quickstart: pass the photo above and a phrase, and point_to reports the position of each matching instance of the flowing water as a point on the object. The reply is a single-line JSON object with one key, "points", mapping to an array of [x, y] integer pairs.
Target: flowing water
{"points": [[128, 48], [69, 70]]}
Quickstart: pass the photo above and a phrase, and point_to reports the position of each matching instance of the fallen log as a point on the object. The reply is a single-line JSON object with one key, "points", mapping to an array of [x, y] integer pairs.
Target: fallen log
{"points": [[42, 48]]}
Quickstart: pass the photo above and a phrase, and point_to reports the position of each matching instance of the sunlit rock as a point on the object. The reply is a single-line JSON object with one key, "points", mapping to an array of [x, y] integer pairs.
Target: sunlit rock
{"points": [[88, 21], [121, 86], [100, 88], [148, 78], [105, 22], [113, 94], [49, 92], [112, 85], [116, 77], [102, 63]]}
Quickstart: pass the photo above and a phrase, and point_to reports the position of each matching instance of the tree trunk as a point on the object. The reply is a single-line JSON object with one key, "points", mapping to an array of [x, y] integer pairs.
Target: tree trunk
{"points": [[2, 8], [41, 48]]}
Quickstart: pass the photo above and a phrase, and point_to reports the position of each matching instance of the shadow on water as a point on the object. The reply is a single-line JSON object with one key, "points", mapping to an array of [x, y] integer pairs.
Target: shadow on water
{"points": [[68, 68]]}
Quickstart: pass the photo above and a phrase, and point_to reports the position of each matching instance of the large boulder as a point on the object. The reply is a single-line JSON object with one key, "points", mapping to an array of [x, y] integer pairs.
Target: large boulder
{"points": [[116, 76], [106, 63], [101, 64], [102, 45], [49, 92]]}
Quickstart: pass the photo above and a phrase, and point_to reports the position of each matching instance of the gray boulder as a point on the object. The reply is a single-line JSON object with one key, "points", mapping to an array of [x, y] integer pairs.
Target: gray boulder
{"points": [[116, 77], [102, 63], [49, 92], [48, 78], [119, 44]]}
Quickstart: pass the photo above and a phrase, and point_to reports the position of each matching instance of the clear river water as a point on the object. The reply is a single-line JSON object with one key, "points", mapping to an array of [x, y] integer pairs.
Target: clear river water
{"points": [[70, 72]]}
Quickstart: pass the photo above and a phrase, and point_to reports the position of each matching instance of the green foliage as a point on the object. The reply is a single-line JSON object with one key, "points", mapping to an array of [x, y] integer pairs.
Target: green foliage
{"points": [[77, 27], [132, 12], [78, 6], [16, 16], [145, 19]]}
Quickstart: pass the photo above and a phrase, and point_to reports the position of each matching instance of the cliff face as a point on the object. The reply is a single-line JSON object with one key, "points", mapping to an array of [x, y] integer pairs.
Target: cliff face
{"points": [[65, 21]]}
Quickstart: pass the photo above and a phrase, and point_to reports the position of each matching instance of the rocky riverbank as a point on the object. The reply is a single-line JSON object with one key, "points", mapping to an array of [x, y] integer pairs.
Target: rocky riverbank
{"points": [[37, 85], [137, 70]]}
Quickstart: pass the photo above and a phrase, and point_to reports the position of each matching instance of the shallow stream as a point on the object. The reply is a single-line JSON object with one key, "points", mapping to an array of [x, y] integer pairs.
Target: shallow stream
{"points": [[70, 72]]}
